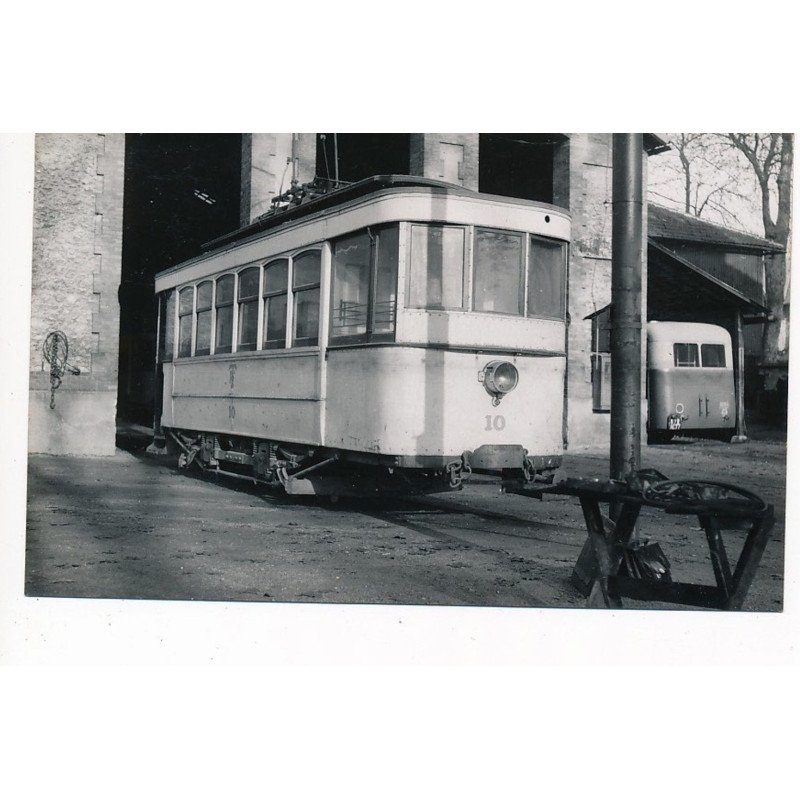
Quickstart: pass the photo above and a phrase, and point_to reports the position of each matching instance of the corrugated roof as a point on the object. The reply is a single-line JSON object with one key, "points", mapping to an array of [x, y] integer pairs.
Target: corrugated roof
{"points": [[663, 223]]}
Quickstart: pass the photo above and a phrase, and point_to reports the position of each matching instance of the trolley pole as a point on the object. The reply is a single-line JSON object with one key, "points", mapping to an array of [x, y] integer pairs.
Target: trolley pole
{"points": [[626, 305]]}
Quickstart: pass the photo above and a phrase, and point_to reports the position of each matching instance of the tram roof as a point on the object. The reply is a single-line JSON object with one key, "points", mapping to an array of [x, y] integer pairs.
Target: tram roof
{"points": [[354, 191]]}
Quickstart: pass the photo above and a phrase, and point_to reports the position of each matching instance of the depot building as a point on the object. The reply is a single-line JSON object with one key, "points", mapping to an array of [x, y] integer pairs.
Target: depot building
{"points": [[112, 210]]}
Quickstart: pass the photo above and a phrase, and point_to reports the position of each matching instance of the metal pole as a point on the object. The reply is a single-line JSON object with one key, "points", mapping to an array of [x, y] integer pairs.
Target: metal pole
{"points": [[741, 429], [626, 305]]}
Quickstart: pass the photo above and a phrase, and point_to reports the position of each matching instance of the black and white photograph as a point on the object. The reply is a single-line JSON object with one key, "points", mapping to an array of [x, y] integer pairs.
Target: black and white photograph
{"points": [[536, 370], [388, 463]]}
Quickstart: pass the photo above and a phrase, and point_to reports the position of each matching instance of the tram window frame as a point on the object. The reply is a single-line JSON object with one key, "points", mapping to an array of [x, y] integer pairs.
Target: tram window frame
{"points": [[533, 241], [166, 333], [247, 305], [270, 294], [692, 356], [719, 349], [521, 270], [375, 235], [415, 283], [302, 290], [185, 321], [203, 307], [221, 303]]}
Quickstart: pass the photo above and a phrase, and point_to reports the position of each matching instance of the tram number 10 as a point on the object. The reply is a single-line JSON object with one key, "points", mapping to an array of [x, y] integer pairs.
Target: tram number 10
{"points": [[495, 423]]}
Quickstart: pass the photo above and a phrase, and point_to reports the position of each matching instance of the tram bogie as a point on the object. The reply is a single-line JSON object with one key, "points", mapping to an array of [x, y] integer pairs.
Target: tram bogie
{"points": [[388, 337]]}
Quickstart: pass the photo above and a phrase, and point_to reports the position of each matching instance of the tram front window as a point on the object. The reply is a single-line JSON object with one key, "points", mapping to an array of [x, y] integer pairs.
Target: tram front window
{"points": [[498, 272], [546, 278], [383, 313], [365, 285], [437, 267], [351, 262]]}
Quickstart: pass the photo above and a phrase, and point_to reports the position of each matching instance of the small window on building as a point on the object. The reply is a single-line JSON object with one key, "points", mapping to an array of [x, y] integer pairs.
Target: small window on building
{"points": [[436, 279], [166, 344], [202, 345], [498, 276], [364, 293], [276, 286], [305, 286], [224, 303], [601, 360], [713, 355], [248, 308], [185, 309], [685, 355], [547, 270]]}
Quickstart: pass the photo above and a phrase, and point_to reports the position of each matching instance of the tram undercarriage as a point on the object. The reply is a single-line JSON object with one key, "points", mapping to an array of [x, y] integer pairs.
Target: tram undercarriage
{"points": [[307, 470]]}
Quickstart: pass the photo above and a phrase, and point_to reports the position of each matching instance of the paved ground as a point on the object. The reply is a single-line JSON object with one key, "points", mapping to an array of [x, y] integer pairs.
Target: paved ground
{"points": [[133, 527]]}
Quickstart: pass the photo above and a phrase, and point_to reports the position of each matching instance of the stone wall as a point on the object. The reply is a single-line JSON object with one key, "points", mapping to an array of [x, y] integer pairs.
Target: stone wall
{"points": [[590, 198], [451, 157], [267, 167], [77, 258]]}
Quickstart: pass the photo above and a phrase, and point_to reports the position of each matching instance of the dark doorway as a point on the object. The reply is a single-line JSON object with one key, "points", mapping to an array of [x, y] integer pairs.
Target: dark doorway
{"points": [[181, 190], [361, 155], [519, 164]]}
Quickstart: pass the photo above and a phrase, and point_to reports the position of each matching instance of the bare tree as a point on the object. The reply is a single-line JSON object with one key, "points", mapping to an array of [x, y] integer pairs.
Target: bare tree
{"points": [[703, 176], [771, 157], [741, 180]]}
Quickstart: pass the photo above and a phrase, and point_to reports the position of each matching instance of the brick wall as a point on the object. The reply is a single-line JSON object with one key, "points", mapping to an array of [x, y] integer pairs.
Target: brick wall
{"points": [[77, 255]]}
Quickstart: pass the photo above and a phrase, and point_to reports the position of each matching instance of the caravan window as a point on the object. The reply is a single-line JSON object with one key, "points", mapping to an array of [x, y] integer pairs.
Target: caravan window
{"points": [[686, 355], [713, 355]]}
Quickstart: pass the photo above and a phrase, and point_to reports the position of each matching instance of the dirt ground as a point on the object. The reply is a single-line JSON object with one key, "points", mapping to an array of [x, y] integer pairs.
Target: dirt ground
{"points": [[130, 526]]}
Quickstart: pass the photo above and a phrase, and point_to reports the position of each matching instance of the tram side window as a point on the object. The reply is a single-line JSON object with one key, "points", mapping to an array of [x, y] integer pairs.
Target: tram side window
{"points": [[713, 355], [385, 303], [276, 285], [436, 279], [364, 293], [498, 278], [685, 355], [305, 287], [202, 345], [166, 348], [224, 304], [351, 269], [547, 278], [248, 308], [185, 309]]}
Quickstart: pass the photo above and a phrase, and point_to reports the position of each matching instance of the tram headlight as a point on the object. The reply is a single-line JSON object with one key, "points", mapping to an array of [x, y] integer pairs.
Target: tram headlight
{"points": [[499, 378]]}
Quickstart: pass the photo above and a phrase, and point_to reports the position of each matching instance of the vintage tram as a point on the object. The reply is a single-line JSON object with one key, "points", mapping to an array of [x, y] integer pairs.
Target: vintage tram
{"points": [[690, 382], [392, 335]]}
